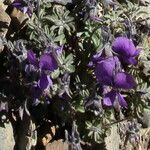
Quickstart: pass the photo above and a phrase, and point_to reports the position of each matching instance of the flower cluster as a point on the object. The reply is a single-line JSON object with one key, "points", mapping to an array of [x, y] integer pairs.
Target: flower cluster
{"points": [[111, 75], [126, 50], [46, 64]]}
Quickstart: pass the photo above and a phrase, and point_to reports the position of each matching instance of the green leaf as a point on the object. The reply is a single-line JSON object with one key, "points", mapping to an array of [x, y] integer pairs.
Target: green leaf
{"points": [[55, 74], [81, 109]]}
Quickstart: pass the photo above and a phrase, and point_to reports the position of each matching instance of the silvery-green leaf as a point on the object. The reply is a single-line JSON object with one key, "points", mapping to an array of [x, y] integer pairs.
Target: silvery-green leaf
{"points": [[55, 74]]}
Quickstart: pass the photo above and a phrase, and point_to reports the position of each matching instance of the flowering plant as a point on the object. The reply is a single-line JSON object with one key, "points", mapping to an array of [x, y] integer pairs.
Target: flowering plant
{"points": [[82, 65]]}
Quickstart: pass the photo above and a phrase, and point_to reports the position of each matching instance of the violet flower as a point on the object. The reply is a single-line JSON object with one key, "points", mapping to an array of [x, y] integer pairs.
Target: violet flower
{"points": [[105, 70], [126, 50], [48, 62], [32, 58], [114, 98], [109, 73], [45, 64], [22, 7], [44, 82]]}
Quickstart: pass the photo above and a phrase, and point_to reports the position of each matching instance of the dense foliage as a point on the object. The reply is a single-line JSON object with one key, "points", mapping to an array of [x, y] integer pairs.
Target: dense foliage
{"points": [[84, 63]]}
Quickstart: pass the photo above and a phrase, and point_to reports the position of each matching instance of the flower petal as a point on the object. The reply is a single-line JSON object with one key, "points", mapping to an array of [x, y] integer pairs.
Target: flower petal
{"points": [[137, 52], [97, 57], [122, 101], [109, 98], [48, 62], [32, 58], [124, 81], [105, 70], [44, 82], [123, 46], [129, 60]]}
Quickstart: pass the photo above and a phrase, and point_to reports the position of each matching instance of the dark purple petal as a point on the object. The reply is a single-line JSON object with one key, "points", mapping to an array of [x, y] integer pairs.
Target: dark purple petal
{"points": [[97, 57], [29, 12], [124, 81], [109, 98], [124, 46], [122, 101], [48, 62], [105, 70], [44, 82], [130, 60], [32, 58]]}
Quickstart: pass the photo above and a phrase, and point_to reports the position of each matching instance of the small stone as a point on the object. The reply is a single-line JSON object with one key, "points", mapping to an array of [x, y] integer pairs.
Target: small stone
{"points": [[1, 45], [4, 22], [146, 117], [3, 5], [144, 139], [19, 19], [7, 141], [49, 136], [1, 48], [57, 145], [112, 141]]}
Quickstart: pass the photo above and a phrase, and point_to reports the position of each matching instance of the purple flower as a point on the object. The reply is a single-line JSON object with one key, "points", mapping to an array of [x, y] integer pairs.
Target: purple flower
{"points": [[109, 98], [113, 98], [32, 58], [126, 50], [108, 72], [124, 80], [44, 82], [105, 70], [48, 62]]}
